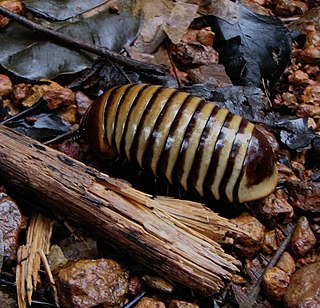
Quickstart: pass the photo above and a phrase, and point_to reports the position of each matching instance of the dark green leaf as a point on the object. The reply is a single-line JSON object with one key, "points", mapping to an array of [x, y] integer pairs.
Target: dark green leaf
{"points": [[45, 127], [62, 9], [27, 55], [255, 47]]}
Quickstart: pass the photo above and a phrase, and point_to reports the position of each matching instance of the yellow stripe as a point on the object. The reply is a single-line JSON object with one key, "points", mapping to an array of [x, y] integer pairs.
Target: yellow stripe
{"points": [[123, 113], [193, 142], [176, 139], [242, 138], [164, 127], [229, 133], [112, 109], [208, 146], [150, 120], [135, 117]]}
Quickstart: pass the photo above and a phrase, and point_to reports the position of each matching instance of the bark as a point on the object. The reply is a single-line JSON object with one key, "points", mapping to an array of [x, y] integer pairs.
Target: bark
{"points": [[139, 223]]}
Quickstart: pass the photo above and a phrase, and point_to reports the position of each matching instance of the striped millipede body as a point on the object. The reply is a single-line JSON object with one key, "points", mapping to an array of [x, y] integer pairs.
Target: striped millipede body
{"points": [[192, 142]]}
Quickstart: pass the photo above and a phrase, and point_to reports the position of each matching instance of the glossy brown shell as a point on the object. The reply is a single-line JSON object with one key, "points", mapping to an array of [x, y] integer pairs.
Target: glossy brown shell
{"points": [[193, 143]]}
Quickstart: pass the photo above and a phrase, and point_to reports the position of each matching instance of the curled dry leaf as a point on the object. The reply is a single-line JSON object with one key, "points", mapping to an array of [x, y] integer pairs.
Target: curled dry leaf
{"points": [[179, 21]]}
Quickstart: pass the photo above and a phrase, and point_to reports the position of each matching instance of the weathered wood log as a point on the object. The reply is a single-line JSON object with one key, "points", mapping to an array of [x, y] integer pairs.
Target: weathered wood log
{"points": [[161, 239]]}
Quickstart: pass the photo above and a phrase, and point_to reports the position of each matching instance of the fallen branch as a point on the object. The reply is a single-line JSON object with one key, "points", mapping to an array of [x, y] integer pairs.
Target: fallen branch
{"points": [[170, 242]]}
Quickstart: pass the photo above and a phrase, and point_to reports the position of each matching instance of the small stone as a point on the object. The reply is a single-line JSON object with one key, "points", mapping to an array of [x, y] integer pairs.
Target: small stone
{"points": [[274, 208], [270, 244], [298, 76], [20, 92], [5, 85], [286, 263], [205, 36], [304, 196], [57, 96], [248, 246], [275, 282], [56, 258], [290, 7], [174, 303], [11, 223], [311, 51], [147, 302], [74, 249], [14, 6], [135, 285], [304, 288], [88, 283], [158, 284], [302, 239], [311, 94]]}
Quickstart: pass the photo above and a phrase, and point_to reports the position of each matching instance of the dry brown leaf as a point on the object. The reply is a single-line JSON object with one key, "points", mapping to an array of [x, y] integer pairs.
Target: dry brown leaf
{"points": [[179, 21]]}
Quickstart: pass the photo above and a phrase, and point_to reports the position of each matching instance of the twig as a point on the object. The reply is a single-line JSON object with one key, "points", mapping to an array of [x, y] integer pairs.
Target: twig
{"points": [[135, 300], [287, 20], [75, 43], [251, 299], [24, 112], [174, 68], [49, 276]]}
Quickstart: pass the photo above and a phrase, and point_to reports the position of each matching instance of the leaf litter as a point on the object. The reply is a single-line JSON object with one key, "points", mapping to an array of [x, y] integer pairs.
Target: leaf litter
{"points": [[294, 133]]}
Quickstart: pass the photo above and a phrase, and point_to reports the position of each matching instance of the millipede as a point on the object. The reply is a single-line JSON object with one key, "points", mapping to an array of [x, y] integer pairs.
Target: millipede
{"points": [[193, 143]]}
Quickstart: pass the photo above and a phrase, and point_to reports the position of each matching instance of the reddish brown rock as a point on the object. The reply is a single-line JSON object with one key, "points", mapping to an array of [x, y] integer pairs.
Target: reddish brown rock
{"points": [[270, 243], [303, 238], [304, 288], [248, 246], [275, 282], [147, 302], [136, 285], [274, 208], [205, 36], [14, 6], [311, 94], [286, 263], [305, 196], [20, 92], [11, 223], [88, 283], [5, 85], [290, 7], [299, 77], [57, 95], [311, 51]]}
